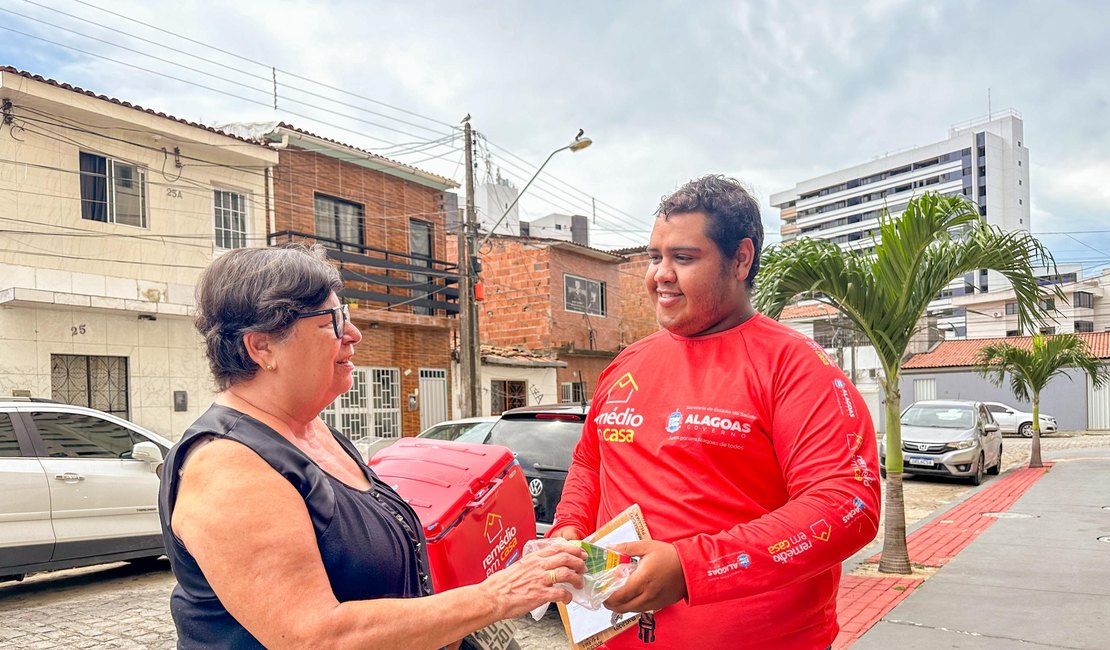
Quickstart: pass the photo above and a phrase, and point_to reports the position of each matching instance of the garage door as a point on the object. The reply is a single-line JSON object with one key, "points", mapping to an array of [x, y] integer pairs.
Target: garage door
{"points": [[1098, 406]]}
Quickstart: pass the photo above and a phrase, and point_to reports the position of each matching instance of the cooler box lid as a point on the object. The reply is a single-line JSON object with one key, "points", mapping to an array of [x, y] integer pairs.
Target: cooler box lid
{"points": [[440, 479]]}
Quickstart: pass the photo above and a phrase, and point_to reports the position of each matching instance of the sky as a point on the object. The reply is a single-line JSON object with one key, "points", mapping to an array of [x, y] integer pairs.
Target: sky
{"points": [[770, 92]]}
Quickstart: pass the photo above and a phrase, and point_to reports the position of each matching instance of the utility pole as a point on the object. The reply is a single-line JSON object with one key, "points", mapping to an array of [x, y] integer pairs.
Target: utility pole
{"points": [[469, 346]]}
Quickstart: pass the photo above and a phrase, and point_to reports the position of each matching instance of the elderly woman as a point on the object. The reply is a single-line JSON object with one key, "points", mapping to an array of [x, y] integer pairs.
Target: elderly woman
{"points": [[278, 535]]}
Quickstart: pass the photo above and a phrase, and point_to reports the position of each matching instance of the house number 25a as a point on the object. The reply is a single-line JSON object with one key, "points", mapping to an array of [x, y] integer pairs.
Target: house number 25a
{"points": [[174, 193], [77, 330]]}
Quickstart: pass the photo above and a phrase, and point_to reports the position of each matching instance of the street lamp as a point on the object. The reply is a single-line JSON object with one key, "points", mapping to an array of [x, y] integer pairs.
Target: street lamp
{"points": [[578, 144], [470, 343]]}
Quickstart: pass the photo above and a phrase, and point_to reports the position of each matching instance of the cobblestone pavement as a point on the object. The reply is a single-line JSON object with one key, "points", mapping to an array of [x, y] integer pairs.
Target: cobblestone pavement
{"points": [[125, 606]]}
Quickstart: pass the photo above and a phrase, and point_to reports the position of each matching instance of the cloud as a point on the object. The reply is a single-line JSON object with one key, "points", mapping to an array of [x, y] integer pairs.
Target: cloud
{"points": [[771, 92]]}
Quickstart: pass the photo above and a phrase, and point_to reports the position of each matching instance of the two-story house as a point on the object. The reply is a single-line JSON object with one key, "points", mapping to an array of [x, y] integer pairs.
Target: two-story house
{"points": [[108, 214], [383, 224], [557, 300]]}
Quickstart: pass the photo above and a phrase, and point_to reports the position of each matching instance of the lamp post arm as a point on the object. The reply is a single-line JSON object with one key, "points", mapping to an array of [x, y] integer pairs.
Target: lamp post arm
{"points": [[519, 194]]}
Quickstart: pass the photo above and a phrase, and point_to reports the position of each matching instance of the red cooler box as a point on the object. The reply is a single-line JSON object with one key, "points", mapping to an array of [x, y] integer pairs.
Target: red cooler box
{"points": [[472, 500]]}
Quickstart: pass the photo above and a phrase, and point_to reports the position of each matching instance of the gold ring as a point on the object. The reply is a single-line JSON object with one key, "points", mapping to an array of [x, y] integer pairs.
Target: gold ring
{"points": [[551, 576]]}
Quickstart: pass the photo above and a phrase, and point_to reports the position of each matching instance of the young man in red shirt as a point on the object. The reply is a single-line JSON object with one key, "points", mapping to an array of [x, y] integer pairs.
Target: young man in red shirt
{"points": [[751, 455]]}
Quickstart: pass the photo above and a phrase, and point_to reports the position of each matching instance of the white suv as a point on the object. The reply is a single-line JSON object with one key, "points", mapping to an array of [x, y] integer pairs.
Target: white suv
{"points": [[77, 487]]}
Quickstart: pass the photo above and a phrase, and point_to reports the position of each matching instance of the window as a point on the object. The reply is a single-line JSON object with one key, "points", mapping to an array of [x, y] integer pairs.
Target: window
{"points": [[72, 435], [9, 444], [583, 295], [1048, 330], [420, 246], [93, 381], [340, 221], [372, 408], [1013, 332], [506, 394], [1019, 163], [1084, 326], [230, 219], [1011, 308], [1047, 304], [573, 392], [1083, 300], [997, 408], [112, 191]]}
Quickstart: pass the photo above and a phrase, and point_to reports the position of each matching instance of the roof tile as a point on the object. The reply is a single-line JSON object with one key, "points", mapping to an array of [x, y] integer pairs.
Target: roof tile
{"points": [[955, 354]]}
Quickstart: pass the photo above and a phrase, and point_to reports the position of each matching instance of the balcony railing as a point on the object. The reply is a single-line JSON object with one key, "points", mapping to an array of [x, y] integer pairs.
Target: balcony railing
{"points": [[400, 281]]}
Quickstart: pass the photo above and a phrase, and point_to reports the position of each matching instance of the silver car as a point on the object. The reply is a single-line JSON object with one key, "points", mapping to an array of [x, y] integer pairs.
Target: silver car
{"points": [[951, 438]]}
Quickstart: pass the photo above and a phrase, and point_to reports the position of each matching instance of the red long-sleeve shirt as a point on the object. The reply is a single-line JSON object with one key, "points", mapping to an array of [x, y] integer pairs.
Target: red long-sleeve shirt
{"points": [[752, 453]]}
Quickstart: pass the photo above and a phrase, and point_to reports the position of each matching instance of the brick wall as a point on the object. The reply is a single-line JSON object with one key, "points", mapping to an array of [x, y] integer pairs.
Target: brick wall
{"points": [[517, 280], [395, 338], [408, 349], [388, 201], [637, 310], [583, 368], [571, 330]]}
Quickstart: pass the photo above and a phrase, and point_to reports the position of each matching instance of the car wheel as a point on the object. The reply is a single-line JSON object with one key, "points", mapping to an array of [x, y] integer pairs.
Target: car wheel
{"points": [[1026, 429], [997, 469], [977, 477]]}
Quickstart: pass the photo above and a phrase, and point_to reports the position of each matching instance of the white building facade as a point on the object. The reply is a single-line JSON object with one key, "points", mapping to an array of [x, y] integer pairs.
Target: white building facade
{"points": [[565, 227], [491, 200], [110, 214], [984, 160]]}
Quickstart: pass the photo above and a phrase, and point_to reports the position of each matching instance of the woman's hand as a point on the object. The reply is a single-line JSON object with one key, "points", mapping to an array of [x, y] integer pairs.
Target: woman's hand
{"points": [[530, 582]]}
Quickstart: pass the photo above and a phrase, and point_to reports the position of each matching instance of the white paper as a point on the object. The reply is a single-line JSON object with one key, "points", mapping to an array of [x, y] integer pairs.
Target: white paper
{"points": [[585, 623]]}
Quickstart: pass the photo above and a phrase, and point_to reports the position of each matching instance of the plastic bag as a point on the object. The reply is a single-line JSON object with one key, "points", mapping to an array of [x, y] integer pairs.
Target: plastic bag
{"points": [[606, 572]]}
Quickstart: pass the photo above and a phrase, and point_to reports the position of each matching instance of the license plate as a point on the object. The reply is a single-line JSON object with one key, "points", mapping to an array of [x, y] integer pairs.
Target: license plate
{"points": [[923, 462], [496, 636]]}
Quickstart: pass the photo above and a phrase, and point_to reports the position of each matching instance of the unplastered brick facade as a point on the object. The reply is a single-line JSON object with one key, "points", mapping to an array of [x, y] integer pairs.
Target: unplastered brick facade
{"points": [[638, 313], [531, 286], [393, 338]]}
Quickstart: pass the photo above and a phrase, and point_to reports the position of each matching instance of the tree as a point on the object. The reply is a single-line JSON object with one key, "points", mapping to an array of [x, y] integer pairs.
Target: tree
{"points": [[936, 240], [1031, 369]]}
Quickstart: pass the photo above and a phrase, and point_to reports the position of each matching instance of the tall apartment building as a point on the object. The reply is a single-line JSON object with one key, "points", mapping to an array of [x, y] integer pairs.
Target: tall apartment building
{"points": [[984, 160]]}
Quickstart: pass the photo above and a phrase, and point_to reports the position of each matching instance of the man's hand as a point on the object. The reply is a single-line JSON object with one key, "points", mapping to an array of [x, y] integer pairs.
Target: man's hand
{"points": [[566, 532], [658, 580]]}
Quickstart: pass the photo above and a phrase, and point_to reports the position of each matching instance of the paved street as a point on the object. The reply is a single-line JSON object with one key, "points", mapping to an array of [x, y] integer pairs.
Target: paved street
{"points": [[123, 606]]}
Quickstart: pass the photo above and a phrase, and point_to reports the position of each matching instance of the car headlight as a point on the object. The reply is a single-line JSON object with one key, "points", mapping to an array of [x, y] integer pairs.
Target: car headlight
{"points": [[963, 444]]}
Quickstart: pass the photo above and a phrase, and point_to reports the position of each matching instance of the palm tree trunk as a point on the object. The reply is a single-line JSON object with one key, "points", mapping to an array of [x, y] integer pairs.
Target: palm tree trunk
{"points": [[1035, 448], [895, 557]]}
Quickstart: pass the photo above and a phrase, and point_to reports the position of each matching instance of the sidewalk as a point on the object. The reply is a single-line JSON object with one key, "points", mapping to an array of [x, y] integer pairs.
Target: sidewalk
{"points": [[1034, 575]]}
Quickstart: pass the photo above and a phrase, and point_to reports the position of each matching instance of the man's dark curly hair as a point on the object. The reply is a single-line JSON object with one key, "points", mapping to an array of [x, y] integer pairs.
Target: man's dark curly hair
{"points": [[733, 214]]}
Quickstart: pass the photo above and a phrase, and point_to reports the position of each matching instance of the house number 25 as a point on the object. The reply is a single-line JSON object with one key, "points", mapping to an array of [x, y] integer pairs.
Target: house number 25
{"points": [[77, 330]]}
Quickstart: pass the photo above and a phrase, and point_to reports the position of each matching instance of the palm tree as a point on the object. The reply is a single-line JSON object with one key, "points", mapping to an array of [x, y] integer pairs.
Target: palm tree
{"points": [[936, 240], [1031, 369]]}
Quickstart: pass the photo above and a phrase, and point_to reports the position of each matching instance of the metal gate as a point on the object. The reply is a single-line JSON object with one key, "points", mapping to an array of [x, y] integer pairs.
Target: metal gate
{"points": [[433, 396], [1098, 407], [95, 382]]}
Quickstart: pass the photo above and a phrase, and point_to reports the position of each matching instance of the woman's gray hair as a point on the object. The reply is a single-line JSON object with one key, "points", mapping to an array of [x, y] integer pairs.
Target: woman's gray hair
{"points": [[257, 290]]}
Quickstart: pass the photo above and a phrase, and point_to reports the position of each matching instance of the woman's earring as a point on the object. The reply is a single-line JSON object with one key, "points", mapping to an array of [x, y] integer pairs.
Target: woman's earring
{"points": [[269, 367]]}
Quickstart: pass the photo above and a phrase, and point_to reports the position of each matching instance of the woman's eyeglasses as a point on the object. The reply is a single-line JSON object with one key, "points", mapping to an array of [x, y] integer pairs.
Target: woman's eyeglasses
{"points": [[339, 317]]}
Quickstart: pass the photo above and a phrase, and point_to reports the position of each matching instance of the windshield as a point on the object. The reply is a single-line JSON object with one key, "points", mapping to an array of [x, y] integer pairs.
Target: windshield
{"points": [[459, 431], [939, 417], [548, 443]]}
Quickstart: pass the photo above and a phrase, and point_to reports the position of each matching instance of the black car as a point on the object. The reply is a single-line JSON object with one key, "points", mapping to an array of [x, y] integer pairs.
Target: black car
{"points": [[543, 438]]}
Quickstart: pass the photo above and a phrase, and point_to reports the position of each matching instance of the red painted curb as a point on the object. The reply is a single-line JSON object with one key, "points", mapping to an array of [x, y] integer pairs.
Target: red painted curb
{"points": [[863, 600]]}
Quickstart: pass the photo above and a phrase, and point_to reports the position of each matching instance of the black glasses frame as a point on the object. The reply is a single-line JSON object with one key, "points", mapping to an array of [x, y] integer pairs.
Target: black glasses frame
{"points": [[340, 316]]}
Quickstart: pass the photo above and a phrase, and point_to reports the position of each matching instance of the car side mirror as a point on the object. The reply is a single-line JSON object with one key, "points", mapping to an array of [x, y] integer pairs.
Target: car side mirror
{"points": [[990, 427], [147, 451]]}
